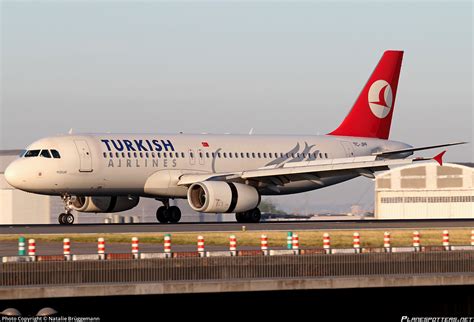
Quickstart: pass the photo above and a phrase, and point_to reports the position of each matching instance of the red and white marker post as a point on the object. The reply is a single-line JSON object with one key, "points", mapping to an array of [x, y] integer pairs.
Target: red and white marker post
{"points": [[264, 244], [167, 245], [327, 243], [101, 248], [233, 245], [67, 248], [356, 242], [416, 241], [387, 242], [295, 241], [200, 246], [135, 249], [446, 240], [31, 247]]}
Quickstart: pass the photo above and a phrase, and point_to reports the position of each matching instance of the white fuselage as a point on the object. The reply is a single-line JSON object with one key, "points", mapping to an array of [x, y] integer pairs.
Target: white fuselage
{"points": [[121, 164]]}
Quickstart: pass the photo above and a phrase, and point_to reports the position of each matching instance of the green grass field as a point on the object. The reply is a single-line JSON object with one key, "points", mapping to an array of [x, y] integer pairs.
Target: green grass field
{"points": [[339, 239]]}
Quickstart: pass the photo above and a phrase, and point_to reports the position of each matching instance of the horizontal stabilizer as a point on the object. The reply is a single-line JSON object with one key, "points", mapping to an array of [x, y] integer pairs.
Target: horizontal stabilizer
{"points": [[416, 149]]}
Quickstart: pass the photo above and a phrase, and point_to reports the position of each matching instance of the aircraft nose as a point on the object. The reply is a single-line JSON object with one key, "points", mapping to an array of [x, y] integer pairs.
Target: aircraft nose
{"points": [[12, 175]]}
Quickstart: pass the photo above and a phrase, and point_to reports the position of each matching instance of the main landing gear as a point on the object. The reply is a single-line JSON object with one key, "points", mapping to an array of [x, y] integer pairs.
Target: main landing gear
{"points": [[66, 218], [251, 216], [167, 213]]}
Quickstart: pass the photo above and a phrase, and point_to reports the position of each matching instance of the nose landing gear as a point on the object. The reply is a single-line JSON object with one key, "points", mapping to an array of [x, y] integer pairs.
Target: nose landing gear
{"points": [[167, 213], [66, 218]]}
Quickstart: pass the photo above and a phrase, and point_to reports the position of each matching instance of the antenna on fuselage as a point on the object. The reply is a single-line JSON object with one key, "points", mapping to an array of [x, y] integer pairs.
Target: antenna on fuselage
{"points": [[70, 131], [251, 131]]}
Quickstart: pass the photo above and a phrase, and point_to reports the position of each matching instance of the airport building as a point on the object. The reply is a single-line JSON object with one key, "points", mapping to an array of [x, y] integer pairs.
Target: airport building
{"points": [[425, 191]]}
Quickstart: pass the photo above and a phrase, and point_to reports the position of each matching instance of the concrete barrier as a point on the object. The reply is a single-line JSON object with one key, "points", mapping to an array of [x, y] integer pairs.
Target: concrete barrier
{"points": [[86, 257], [154, 255], [462, 248], [219, 254], [403, 249], [345, 250], [279, 252], [16, 259]]}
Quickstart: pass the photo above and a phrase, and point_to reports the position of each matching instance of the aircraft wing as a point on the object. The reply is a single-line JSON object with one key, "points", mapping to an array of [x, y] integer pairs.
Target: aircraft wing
{"points": [[306, 170]]}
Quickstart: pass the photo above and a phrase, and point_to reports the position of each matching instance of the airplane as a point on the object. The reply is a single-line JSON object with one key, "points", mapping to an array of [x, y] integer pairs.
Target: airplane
{"points": [[105, 173]]}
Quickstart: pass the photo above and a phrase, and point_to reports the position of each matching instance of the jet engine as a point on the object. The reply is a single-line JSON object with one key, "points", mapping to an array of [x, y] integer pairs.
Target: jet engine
{"points": [[104, 204], [222, 197]]}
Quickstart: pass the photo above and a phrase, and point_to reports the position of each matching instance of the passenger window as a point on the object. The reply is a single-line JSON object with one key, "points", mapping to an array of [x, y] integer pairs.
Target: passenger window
{"points": [[111, 155], [32, 153], [56, 154], [135, 155], [218, 154], [253, 155], [200, 155], [153, 155], [281, 155], [236, 155], [270, 155], [129, 154], [225, 155], [164, 155], [230, 155], [264, 155], [207, 155], [147, 155], [123, 154], [190, 154], [105, 154], [158, 154], [248, 155], [45, 154], [182, 154], [176, 154], [242, 155], [259, 155], [141, 155], [117, 154], [326, 155], [213, 154]]}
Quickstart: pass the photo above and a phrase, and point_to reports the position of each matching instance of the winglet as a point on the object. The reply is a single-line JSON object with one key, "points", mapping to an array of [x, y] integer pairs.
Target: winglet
{"points": [[439, 157]]}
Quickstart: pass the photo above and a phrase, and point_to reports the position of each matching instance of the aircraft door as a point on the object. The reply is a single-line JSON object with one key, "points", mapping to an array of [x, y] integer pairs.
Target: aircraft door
{"points": [[85, 158], [348, 149]]}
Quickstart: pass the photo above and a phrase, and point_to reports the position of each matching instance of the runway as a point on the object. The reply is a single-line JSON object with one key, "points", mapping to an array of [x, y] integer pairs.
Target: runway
{"points": [[229, 226]]}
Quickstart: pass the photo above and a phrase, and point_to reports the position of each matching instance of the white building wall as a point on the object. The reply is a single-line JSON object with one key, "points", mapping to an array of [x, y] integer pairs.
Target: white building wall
{"points": [[392, 201]]}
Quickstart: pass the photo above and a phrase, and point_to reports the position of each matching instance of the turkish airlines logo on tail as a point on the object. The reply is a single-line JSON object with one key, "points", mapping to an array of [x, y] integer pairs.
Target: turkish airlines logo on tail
{"points": [[380, 98]]}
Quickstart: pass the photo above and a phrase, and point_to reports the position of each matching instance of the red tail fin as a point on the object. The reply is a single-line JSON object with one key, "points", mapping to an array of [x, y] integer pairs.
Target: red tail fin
{"points": [[371, 115]]}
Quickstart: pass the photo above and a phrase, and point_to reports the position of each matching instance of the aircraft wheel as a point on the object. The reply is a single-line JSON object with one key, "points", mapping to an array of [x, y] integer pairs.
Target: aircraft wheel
{"points": [[61, 219], [69, 219], [162, 215], [174, 214], [240, 217], [254, 215]]}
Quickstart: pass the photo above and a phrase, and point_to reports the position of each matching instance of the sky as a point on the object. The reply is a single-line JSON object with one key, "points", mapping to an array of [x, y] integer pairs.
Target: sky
{"points": [[226, 67]]}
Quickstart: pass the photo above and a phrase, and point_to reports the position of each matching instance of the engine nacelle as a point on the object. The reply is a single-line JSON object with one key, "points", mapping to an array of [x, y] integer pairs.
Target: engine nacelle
{"points": [[222, 197], [104, 204]]}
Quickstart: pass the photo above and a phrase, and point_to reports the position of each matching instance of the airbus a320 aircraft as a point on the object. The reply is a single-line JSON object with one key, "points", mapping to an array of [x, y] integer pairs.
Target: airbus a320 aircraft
{"points": [[104, 173]]}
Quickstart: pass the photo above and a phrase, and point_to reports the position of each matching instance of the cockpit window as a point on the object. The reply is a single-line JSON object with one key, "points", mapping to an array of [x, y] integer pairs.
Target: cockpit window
{"points": [[55, 154], [32, 153], [45, 154]]}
